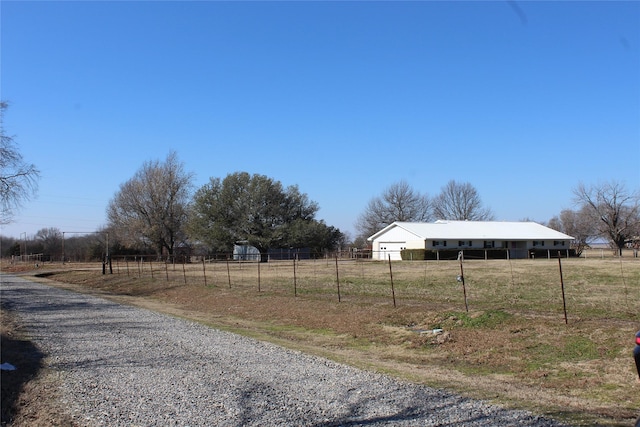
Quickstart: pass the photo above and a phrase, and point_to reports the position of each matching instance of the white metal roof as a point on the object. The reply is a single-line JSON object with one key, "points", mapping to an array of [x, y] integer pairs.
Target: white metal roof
{"points": [[474, 230]]}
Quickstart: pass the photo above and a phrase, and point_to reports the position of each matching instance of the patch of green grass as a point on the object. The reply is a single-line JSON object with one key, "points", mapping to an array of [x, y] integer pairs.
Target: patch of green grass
{"points": [[573, 349], [579, 348]]}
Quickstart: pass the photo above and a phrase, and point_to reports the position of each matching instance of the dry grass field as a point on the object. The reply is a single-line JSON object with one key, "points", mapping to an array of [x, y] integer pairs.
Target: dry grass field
{"points": [[511, 347]]}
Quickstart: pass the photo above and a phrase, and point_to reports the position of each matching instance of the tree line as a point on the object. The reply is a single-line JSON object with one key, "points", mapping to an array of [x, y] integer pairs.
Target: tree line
{"points": [[159, 211], [400, 202], [607, 211], [156, 209]]}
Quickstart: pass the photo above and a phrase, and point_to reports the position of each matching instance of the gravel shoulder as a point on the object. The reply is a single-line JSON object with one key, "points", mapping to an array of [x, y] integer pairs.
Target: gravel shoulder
{"points": [[123, 366]]}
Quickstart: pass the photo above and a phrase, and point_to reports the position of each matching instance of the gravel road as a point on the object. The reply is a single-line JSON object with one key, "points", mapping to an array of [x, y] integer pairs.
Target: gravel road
{"points": [[125, 366]]}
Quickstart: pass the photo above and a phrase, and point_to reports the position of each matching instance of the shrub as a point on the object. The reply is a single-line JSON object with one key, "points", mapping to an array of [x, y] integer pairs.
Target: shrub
{"points": [[413, 254]]}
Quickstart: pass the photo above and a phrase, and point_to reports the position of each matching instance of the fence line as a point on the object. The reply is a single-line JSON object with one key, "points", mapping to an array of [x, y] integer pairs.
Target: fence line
{"points": [[29, 258], [492, 284], [436, 255]]}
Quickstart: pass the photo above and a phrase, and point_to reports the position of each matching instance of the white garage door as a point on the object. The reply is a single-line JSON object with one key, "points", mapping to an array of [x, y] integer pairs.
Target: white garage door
{"points": [[391, 249]]}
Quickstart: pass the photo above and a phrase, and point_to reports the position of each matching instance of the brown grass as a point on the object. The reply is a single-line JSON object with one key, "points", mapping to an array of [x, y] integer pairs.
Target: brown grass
{"points": [[512, 347]]}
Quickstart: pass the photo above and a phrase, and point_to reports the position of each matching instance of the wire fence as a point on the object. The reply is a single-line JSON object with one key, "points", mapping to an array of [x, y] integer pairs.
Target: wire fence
{"points": [[594, 287], [29, 258]]}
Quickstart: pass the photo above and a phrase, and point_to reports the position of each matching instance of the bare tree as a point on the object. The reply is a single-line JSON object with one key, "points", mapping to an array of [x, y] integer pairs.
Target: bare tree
{"points": [[614, 211], [399, 202], [18, 179], [151, 208], [461, 202], [577, 224], [51, 240]]}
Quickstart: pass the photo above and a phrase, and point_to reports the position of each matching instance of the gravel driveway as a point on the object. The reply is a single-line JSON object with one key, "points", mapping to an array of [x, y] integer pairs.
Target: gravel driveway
{"points": [[125, 366]]}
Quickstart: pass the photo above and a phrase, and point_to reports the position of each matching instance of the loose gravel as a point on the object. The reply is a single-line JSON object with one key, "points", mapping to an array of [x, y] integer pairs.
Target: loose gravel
{"points": [[126, 366]]}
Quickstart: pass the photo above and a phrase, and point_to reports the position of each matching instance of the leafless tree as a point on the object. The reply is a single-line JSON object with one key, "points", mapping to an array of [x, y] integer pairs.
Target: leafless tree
{"points": [[151, 208], [18, 179], [51, 240], [577, 224], [399, 202], [614, 211], [461, 202]]}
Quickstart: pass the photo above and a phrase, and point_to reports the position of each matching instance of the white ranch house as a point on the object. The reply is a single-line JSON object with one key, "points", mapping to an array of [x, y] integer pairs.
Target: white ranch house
{"points": [[516, 237]]}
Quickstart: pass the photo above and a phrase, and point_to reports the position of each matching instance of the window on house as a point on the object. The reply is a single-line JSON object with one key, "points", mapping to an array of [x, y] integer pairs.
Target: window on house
{"points": [[538, 243], [488, 244]]}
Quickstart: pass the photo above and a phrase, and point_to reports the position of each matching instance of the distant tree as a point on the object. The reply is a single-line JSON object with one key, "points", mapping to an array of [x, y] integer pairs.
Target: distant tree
{"points": [[360, 242], [150, 209], [258, 210], [51, 240], [554, 223], [460, 202], [315, 235], [578, 224], [398, 202], [14, 249], [10, 246], [121, 246], [614, 210], [88, 247], [18, 179]]}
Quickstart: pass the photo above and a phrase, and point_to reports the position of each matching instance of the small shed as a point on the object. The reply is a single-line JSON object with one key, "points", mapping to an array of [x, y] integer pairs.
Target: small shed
{"points": [[516, 237], [243, 251]]}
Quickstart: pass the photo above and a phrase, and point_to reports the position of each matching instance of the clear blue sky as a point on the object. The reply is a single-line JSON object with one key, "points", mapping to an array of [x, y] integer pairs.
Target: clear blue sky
{"points": [[523, 100]]}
